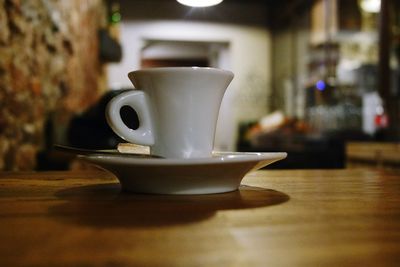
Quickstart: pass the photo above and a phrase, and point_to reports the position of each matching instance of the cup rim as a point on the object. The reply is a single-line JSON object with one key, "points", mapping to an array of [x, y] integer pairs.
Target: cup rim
{"points": [[174, 69]]}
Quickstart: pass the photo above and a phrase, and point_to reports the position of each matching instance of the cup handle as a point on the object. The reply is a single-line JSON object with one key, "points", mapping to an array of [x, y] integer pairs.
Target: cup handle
{"points": [[138, 101]]}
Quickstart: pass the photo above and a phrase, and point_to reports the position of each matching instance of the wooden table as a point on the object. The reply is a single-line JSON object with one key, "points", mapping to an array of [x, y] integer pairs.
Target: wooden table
{"points": [[377, 154], [278, 218]]}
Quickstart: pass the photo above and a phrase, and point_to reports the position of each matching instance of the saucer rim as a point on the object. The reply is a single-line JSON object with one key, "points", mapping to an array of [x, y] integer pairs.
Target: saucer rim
{"points": [[217, 158]]}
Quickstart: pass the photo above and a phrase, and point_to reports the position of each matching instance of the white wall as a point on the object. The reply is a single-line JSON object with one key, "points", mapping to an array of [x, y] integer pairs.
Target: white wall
{"points": [[248, 57], [291, 74]]}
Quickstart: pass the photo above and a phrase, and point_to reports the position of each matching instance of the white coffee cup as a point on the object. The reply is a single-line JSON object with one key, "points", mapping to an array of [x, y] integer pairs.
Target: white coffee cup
{"points": [[177, 108]]}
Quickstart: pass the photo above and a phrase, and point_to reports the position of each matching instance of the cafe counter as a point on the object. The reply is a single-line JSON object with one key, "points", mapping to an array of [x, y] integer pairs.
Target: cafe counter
{"points": [[347, 217]]}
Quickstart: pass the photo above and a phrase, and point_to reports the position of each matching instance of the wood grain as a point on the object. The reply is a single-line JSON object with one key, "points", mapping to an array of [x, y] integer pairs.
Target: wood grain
{"points": [[277, 218]]}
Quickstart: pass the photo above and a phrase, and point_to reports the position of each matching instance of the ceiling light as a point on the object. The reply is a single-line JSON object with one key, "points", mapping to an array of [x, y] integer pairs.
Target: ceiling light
{"points": [[199, 3], [371, 6]]}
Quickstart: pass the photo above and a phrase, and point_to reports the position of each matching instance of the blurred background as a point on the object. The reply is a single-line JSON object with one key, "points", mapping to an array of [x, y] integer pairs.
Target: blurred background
{"points": [[319, 79]]}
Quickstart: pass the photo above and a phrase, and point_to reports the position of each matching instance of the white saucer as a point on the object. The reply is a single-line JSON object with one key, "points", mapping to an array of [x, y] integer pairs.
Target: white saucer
{"points": [[221, 173]]}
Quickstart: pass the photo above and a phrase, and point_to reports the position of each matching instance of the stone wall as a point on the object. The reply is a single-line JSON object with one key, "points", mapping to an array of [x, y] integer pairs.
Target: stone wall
{"points": [[49, 70]]}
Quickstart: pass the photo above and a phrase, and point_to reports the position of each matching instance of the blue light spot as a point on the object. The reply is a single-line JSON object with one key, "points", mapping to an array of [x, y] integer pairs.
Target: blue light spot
{"points": [[320, 85]]}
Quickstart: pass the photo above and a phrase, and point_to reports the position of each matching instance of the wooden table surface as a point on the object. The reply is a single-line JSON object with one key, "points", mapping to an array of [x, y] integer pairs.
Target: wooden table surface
{"points": [[379, 154], [277, 218]]}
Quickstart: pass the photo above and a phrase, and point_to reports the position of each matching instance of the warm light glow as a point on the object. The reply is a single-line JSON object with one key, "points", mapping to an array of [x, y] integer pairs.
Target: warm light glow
{"points": [[199, 3], [371, 6]]}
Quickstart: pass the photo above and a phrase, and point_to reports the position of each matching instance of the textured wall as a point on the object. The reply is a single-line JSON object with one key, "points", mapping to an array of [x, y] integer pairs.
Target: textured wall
{"points": [[49, 70]]}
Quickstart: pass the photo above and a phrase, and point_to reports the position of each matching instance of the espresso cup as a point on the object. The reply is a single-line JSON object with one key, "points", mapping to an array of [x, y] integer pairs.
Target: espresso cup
{"points": [[177, 109]]}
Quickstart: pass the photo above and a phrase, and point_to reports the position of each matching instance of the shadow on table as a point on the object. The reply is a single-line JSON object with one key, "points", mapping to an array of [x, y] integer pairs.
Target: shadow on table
{"points": [[106, 206]]}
